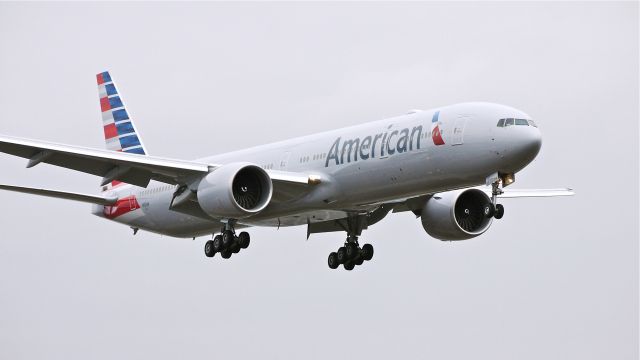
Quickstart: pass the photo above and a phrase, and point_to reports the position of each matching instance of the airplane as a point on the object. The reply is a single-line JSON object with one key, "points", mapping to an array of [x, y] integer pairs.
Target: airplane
{"points": [[448, 166]]}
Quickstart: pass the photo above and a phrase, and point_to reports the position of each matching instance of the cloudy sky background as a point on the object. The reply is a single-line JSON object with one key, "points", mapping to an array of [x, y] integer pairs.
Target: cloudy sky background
{"points": [[555, 279]]}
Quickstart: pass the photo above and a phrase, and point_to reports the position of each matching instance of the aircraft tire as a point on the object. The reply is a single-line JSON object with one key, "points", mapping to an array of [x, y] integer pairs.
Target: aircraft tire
{"points": [[342, 255], [333, 261], [349, 266], [499, 211], [217, 243], [244, 239], [227, 238], [226, 254], [489, 211], [352, 251], [367, 252], [209, 249]]}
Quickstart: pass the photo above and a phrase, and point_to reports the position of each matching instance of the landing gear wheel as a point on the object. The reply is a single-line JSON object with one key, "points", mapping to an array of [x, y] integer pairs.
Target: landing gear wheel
{"points": [[217, 243], [235, 248], [489, 211], [209, 249], [349, 266], [244, 239], [367, 252], [359, 261], [352, 251], [342, 255], [227, 238], [226, 254], [499, 211], [333, 260]]}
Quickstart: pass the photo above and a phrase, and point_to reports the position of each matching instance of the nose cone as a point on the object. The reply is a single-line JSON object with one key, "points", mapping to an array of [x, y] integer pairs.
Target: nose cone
{"points": [[528, 144], [521, 147]]}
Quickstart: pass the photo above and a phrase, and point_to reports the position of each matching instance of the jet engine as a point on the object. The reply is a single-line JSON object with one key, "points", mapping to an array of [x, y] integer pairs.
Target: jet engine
{"points": [[457, 215], [235, 191]]}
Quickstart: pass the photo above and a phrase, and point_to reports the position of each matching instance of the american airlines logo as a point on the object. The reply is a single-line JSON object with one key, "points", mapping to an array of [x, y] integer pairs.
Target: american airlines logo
{"points": [[383, 144]]}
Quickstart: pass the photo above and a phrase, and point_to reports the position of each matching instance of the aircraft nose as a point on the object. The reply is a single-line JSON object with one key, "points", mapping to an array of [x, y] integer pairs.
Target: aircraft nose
{"points": [[528, 144]]}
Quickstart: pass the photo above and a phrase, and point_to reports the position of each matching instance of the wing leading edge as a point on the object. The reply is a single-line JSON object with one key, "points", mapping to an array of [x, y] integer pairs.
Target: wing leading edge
{"points": [[110, 165], [92, 199]]}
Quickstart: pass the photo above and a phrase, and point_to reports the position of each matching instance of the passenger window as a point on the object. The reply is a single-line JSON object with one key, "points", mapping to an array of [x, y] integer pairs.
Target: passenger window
{"points": [[522, 122], [501, 123], [508, 122]]}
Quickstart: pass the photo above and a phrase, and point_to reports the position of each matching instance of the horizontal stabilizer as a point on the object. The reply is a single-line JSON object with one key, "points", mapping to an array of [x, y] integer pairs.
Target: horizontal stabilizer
{"points": [[92, 199]]}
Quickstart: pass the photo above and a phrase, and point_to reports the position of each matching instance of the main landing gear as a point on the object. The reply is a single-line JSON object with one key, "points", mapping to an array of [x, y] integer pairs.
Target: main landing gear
{"points": [[351, 254], [227, 243]]}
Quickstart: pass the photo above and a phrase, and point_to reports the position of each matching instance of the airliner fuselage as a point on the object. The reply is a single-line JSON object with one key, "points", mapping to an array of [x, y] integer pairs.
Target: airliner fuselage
{"points": [[423, 152]]}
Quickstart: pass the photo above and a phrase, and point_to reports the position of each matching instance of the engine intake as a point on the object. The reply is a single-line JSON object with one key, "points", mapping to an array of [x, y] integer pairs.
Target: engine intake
{"points": [[457, 215], [235, 191]]}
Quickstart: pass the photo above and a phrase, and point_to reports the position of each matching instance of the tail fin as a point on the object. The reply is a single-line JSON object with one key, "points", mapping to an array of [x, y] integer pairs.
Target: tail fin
{"points": [[119, 132]]}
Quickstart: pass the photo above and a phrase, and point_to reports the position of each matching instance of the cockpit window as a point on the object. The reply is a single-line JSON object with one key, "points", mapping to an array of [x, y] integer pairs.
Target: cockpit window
{"points": [[512, 121]]}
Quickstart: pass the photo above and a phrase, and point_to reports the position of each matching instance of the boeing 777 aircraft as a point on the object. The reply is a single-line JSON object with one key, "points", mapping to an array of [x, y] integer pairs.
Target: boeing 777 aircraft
{"points": [[448, 166]]}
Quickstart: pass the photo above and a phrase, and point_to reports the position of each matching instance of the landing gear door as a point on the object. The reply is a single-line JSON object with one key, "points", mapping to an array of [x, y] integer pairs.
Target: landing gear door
{"points": [[457, 137]]}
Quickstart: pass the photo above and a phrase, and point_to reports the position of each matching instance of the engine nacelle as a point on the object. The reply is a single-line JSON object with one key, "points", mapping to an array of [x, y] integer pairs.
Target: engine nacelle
{"points": [[457, 215], [235, 191]]}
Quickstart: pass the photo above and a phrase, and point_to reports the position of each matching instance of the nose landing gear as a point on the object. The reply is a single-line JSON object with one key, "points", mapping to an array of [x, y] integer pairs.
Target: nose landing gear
{"points": [[495, 210]]}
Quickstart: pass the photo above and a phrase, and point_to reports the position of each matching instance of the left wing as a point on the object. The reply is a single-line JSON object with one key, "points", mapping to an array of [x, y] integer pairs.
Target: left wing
{"points": [[92, 199], [518, 193], [111, 165], [415, 203]]}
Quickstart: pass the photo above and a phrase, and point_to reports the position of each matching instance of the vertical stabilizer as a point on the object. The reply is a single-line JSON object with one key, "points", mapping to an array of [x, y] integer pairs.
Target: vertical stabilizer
{"points": [[119, 131]]}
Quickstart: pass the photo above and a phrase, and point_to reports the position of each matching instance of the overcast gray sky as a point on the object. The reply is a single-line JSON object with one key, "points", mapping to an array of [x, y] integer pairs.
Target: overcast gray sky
{"points": [[554, 279]]}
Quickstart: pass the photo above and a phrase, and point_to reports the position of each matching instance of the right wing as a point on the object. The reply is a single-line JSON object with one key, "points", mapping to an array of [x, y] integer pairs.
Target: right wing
{"points": [[111, 165], [140, 169]]}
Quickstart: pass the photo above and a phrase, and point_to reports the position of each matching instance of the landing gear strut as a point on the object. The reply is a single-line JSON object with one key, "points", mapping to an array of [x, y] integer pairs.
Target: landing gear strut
{"points": [[351, 254], [227, 243], [495, 210]]}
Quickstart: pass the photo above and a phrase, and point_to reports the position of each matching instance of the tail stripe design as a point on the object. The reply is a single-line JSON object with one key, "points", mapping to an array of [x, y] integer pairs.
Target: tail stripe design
{"points": [[436, 134], [119, 132]]}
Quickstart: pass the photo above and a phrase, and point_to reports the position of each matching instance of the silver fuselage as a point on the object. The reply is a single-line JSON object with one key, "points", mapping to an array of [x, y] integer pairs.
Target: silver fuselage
{"points": [[362, 166]]}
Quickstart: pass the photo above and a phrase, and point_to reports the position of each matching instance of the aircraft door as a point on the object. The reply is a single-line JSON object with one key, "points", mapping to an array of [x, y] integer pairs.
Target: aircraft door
{"points": [[457, 136]]}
